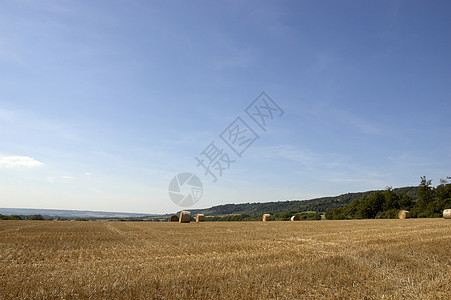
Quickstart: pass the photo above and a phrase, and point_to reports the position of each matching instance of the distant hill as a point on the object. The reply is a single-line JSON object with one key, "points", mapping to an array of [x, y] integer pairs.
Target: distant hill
{"points": [[69, 213], [318, 205]]}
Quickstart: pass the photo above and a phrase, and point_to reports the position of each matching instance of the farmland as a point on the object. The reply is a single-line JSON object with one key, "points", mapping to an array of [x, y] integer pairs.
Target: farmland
{"points": [[226, 260]]}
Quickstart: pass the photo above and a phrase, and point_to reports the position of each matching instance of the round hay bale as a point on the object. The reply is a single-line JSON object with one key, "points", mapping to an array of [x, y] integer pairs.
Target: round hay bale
{"points": [[200, 218], [185, 216], [404, 214], [295, 218], [447, 214], [174, 218], [266, 217]]}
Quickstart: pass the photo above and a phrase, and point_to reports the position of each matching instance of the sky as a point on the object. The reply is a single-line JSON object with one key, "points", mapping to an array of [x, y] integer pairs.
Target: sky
{"points": [[104, 103]]}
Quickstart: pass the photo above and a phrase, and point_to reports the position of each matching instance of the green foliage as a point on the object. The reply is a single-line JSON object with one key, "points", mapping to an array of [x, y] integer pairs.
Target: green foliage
{"points": [[385, 205], [432, 200], [282, 217], [388, 214], [309, 216], [36, 218], [233, 218], [275, 217], [282, 209], [12, 217]]}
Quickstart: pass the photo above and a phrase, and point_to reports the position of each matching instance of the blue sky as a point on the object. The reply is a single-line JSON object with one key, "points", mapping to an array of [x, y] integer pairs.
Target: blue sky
{"points": [[102, 103]]}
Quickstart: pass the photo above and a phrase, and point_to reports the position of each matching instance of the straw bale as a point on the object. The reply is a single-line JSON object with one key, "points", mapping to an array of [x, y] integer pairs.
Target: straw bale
{"points": [[404, 214], [200, 218], [185, 216], [174, 218]]}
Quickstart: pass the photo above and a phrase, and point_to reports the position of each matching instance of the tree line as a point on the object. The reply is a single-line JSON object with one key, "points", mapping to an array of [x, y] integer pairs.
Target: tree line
{"points": [[19, 217], [246, 211], [276, 217], [430, 203]]}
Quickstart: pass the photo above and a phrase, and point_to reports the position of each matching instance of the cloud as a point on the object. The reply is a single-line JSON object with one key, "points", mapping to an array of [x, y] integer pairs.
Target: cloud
{"points": [[341, 117], [366, 180], [289, 152], [67, 177], [19, 161], [29, 122]]}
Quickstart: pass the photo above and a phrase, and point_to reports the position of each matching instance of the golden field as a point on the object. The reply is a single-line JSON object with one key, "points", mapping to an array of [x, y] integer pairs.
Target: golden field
{"points": [[368, 259]]}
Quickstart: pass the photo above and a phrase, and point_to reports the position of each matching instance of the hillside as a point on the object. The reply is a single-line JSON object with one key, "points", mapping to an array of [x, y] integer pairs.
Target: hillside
{"points": [[318, 205]]}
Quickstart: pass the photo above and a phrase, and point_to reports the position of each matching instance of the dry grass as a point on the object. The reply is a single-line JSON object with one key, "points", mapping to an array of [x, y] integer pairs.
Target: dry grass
{"points": [[374, 259]]}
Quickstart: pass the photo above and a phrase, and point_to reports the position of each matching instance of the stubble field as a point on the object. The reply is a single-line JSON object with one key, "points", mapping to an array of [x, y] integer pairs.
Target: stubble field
{"points": [[371, 259]]}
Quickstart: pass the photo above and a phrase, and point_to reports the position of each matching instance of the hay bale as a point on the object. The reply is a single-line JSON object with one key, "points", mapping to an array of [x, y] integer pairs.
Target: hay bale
{"points": [[295, 218], [174, 218], [200, 218], [447, 214], [185, 216], [404, 214], [266, 217]]}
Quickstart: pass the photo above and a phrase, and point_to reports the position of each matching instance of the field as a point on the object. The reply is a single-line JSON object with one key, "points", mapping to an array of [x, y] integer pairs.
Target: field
{"points": [[370, 259]]}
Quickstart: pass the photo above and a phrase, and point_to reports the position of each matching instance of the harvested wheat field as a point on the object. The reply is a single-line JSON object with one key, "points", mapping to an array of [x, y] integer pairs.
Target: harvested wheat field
{"points": [[371, 259]]}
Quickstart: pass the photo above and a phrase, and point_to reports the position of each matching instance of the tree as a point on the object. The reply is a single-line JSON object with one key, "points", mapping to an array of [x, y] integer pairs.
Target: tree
{"points": [[426, 194], [391, 199], [432, 200], [425, 191], [370, 205], [405, 202]]}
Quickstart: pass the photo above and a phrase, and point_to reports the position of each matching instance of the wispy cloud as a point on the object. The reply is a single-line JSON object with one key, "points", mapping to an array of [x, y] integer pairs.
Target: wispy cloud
{"points": [[339, 116], [289, 152], [27, 122], [366, 126], [366, 180], [67, 177], [19, 161]]}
